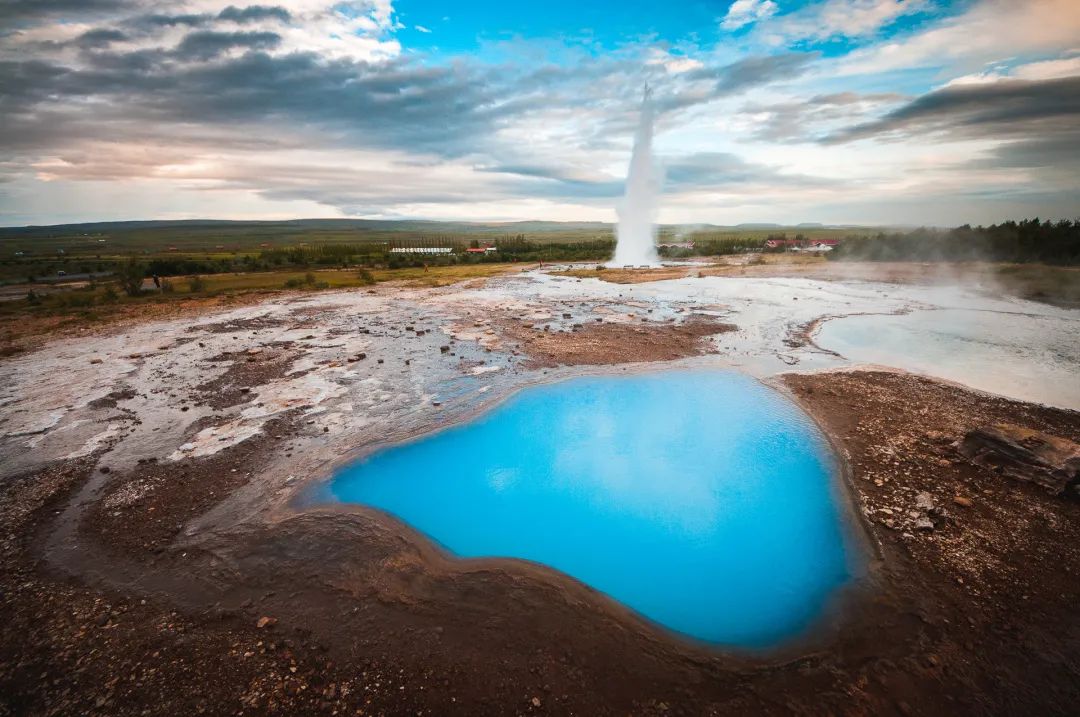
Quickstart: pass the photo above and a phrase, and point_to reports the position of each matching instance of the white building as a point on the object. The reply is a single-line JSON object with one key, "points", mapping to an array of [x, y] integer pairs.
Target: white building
{"points": [[421, 250]]}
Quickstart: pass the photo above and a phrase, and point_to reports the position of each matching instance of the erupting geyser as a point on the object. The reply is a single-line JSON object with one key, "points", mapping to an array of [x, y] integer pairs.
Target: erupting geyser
{"points": [[637, 214]]}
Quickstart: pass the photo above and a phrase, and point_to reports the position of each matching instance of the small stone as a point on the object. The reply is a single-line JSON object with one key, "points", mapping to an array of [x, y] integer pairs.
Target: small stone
{"points": [[444, 349], [104, 469], [95, 360], [924, 524], [924, 501], [265, 621], [961, 500], [536, 702]]}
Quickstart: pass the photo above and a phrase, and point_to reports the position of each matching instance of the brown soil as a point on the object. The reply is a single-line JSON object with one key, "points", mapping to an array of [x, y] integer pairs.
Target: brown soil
{"points": [[600, 343], [252, 324], [249, 369], [144, 510], [628, 276], [20, 331], [974, 616]]}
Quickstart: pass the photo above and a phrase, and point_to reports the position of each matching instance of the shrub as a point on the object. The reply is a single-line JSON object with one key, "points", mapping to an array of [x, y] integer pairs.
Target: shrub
{"points": [[196, 284], [167, 287], [293, 283], [131, 274], [366, 277]]}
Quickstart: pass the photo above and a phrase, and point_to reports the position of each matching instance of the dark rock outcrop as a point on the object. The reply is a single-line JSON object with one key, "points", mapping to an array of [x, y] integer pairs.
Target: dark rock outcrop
{"points": [[1020, 453]]}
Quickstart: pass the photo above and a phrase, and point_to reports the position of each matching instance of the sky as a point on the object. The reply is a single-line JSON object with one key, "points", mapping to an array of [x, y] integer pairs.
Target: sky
{"points": [[874, 112]]}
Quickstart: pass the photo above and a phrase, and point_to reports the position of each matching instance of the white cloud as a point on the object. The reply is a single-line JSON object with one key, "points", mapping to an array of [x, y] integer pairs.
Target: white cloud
{"points": [[1043, 70], [675, 64], [982, 33], [744, 12], [421, 28], [837, 18]]}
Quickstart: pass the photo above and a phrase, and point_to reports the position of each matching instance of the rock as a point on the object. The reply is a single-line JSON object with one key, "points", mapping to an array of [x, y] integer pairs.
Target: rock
{"points": [[924, 501], [924, 524], [95, 360], [265, 621], [104, 469], [444, 349], [1051, 462], [536, 702], [961, 500]]}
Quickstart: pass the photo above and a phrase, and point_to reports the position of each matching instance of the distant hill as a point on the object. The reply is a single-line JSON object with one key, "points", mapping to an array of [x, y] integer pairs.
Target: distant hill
{"points": [[298, 225], [101, 240]]}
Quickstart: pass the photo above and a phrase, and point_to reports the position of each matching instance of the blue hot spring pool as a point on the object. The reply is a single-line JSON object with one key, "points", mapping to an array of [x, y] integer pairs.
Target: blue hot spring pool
{"points": [[703, 500]]}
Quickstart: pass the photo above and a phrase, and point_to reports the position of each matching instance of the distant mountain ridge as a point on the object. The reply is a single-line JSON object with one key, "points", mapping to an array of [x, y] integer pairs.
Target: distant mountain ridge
{"points": [[375, 225]]}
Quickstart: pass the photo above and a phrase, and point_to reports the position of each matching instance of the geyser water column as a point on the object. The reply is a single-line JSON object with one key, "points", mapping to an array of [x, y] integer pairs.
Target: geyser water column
{"points": [[635, 242]]}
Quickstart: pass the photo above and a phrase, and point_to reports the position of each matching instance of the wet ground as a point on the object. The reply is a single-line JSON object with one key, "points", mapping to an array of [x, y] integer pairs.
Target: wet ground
{"points": [[154, 482]]}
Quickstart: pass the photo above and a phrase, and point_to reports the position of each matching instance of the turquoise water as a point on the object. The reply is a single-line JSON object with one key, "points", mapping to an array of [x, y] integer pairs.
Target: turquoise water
{"points": [[703, 500]]}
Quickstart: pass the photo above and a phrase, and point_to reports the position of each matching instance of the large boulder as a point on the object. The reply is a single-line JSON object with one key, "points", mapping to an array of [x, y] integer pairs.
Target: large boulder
{"points": [[1021, 453]]}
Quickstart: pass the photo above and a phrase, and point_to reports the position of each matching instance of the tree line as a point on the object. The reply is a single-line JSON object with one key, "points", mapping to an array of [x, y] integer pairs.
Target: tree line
{"points": [[1026, 241]]}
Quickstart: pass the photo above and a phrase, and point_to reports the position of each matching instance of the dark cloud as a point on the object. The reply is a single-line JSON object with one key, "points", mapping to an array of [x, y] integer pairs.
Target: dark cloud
{"points": [[99, 39], [756, 71], [395, 104], [254, 13], [207, 44], [807, 120], [1006, 109], [21, 10], [154, 21]]}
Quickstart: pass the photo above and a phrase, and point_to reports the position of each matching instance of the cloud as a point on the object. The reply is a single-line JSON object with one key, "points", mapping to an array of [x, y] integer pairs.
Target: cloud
{"points": [[421, 28], [838, 18], [315, 103], [744, 12], [254, 13], [99, 38], [207, 44], [987, 30], [806, 120], [704, 170], [1042, 70], [1006, 109], [22, 10], [756, 71]]}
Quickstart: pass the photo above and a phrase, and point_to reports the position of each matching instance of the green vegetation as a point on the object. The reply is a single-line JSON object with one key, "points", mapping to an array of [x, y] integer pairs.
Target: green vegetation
{"points": [[1016, 242]]}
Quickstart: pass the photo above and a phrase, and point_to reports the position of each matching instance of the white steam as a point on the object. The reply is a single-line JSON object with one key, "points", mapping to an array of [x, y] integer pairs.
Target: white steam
{"points": [[635, 235]]}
